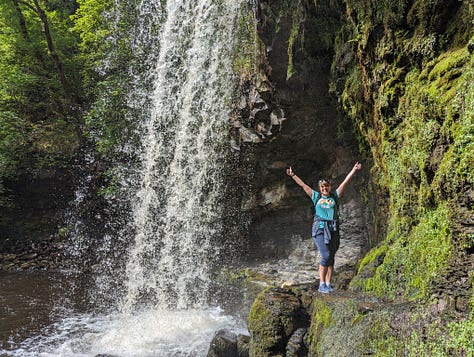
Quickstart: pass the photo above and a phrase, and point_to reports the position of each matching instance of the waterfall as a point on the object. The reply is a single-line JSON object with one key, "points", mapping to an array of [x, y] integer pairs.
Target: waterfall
{"points": [[177, 209], [153, 254]]}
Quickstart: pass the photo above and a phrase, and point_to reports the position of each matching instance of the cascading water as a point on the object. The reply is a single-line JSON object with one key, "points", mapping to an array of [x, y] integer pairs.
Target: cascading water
{"points": [[176, 217], [178, 209]]}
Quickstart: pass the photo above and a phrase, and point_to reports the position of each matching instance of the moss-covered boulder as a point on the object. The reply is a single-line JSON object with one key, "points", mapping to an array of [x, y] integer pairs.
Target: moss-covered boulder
{"points": [[275, 315], [351, 324]]}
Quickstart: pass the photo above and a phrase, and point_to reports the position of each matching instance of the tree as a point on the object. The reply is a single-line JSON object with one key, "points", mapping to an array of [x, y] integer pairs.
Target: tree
{"points": [[40, 89]]}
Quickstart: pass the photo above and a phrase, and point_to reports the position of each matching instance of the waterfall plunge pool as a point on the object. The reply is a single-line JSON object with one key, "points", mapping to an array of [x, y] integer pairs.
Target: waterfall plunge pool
{"points": [[38, 319]]}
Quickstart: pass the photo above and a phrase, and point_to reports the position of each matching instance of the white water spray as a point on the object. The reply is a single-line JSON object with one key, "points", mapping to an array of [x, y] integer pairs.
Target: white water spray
{"points": [[177, 210]]}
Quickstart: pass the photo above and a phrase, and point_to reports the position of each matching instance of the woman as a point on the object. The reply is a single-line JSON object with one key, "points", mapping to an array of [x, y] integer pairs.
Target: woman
{"points": [[325, 230]]}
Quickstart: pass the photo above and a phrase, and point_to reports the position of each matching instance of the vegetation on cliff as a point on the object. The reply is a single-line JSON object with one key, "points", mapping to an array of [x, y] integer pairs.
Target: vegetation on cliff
{"points": [[409, 89], [64, 87], [403, 71]]}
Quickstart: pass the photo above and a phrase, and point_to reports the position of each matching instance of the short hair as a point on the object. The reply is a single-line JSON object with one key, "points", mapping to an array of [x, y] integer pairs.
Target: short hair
{"points": [[324, 181]]}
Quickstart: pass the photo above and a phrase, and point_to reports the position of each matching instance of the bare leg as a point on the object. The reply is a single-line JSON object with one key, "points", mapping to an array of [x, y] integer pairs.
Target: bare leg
{"points": [[323, 271], [329, 271]]}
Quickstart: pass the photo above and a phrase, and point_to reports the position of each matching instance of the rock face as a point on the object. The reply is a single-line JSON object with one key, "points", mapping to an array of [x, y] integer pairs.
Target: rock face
{"points": [[404, 76], [29, 235], [37, 203], [303, 322], [304, 130]]}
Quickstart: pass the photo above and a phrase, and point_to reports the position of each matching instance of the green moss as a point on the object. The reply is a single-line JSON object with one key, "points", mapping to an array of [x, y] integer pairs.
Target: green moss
{"points": [[249, 48], [414, 261], [380, 338], [455, 170], [295, 29], [440, 339], [423, 156], [321, 318], [260, 324], [371, 256]]}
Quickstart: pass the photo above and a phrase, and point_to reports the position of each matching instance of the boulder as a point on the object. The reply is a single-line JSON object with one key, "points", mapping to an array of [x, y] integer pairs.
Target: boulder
{"points": [[224, 344], [274, 317]]}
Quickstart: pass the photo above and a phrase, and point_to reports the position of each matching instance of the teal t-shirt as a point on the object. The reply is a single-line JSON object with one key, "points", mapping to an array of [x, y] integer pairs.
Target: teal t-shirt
{"points": [[325, 207]]}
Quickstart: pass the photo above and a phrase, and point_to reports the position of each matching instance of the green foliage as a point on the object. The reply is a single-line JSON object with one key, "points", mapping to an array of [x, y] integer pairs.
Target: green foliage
{"points": [[13, 139], [461, 334], [456, 173], [451, 339], [429, 338], [93, 27], [295, 29], [412, 102], [38, 88], [371, 256], [248, 48], [106, 29], [413, 262]]}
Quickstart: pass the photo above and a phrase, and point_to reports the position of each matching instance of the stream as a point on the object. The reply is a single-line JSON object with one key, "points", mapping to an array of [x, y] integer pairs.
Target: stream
{"points": [[38, 319]]}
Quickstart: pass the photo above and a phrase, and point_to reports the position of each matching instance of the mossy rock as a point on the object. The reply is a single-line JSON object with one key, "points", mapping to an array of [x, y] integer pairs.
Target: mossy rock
{"points": [[274, 316]]}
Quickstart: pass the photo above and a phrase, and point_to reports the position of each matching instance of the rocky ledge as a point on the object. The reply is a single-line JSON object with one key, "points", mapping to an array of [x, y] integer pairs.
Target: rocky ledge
{"points": [[300, 321]]}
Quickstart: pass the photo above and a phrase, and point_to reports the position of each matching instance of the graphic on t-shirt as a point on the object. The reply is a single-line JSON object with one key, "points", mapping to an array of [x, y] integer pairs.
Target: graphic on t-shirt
{"points": [[326, 202]]}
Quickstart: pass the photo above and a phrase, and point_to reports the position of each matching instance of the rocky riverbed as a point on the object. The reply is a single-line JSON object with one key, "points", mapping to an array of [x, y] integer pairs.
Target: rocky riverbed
{"points": [[45, 254]]}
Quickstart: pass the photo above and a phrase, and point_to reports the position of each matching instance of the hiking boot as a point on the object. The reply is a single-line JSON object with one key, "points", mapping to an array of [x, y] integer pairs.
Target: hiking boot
{"points": [[323, 288], [329, 288]]}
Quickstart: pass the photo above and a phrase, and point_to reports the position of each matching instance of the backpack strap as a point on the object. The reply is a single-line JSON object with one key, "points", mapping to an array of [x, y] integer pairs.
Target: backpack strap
{"points": [[336, 209], [336, 200]]}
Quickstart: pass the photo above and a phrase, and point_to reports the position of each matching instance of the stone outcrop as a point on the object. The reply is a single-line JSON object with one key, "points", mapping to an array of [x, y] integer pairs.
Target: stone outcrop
{"points": [[32, 228], [227, 343], [288, 117], [404, 80], [276, 323], [42, 254], [303, 322]]}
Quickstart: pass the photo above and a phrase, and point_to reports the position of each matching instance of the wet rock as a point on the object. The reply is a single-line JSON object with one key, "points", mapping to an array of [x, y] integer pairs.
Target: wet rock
{"points": [[296, 346], [32, 255], [249, 135], [8, 266], [29, 256], [243, 346], [224, 344], [27, 265], [9, 257], [274, 317]]}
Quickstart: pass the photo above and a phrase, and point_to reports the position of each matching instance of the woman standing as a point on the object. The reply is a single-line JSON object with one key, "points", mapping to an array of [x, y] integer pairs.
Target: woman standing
{"points": [[325, 230]]}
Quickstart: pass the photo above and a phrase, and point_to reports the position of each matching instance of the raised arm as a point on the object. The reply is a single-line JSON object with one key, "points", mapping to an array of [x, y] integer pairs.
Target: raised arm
{"points": [[344, 183], [300, 182]]}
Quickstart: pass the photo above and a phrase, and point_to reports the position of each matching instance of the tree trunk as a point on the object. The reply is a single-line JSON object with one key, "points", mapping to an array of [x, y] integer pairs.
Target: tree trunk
{"points": [[59, 69], [22, 21], [52, 49]]}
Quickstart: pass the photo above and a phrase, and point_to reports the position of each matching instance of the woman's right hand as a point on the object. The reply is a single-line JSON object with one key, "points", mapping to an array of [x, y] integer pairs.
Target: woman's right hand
{"points": [[289, 171]]}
